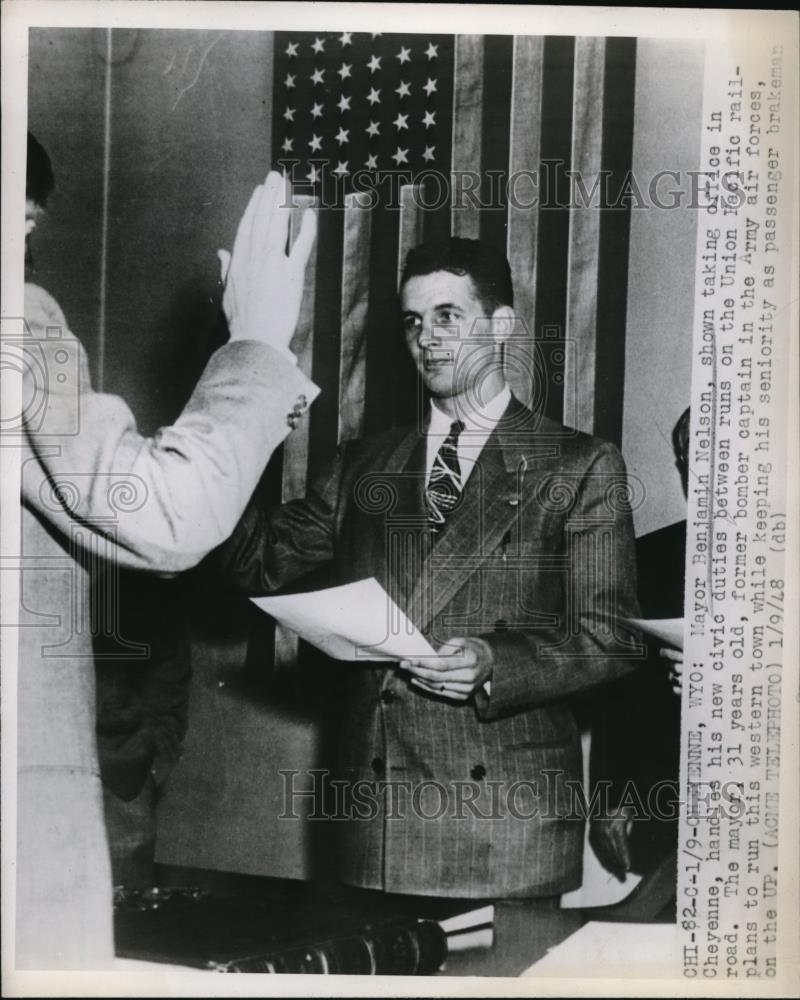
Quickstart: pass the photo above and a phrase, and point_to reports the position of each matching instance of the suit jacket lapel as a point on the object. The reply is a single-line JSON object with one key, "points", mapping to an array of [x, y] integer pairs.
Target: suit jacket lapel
{"points": [[491, 502]]}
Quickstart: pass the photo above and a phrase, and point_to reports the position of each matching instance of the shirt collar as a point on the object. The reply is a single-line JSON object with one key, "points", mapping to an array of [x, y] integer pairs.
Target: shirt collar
{"points": [[482, 420]]}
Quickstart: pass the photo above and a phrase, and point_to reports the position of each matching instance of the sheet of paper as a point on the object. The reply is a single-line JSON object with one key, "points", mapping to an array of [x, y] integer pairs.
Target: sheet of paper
{"points": [[358, 621], [620, 949], [666, 630]]}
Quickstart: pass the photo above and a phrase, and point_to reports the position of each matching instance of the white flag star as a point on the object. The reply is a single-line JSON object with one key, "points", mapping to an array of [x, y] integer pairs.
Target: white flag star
{"points": [[344, 103], [374, 64], [287, 145], [373, 129], [432, 51], [291, 49], [289, 81], [345, 37], [341, 135], [344, 72], [404, 55], [315, 144], [318, 45], [427, 156], [317, 75], [341, 168], [400, 122], [316, 111], [288, 114], [372, 162], [430, 87], [404, 89], [312, 175], [429, 119], [374, 96], [401, 156]]}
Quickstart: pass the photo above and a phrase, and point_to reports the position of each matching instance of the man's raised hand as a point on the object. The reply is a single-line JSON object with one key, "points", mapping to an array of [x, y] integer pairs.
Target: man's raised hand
{"points": [[263, 283]]}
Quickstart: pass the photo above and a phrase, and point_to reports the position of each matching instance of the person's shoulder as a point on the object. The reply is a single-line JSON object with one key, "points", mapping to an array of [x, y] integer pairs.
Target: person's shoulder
{"points": [[572, 445], [41, 309]]}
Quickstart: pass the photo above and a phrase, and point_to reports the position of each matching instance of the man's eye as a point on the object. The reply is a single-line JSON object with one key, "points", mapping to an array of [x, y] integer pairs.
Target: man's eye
{"points": [[411, 324], [448, 317]]}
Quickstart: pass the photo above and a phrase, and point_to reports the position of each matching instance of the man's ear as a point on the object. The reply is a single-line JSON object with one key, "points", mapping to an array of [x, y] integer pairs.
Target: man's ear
{"points": [[502, 324]]}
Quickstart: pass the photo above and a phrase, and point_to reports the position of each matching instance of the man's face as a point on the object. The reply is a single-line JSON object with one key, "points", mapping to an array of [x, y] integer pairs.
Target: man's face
{"points": [[451, 339]]}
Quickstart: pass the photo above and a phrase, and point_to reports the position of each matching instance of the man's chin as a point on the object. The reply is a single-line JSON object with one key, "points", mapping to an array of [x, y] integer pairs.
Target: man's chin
{"points": [[439, 381]]}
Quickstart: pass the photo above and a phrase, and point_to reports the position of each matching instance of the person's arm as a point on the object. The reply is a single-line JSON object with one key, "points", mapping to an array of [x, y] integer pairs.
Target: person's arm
{"points": [[528, 668], [165, 502], [272, 547]]}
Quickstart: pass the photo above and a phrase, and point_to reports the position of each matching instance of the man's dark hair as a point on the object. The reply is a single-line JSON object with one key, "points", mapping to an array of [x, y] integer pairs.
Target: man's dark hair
{"points": [[488, 268], [39, 179]]}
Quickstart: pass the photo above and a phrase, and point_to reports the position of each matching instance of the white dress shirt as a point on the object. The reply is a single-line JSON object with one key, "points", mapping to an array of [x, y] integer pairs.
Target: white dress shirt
{"points": [[478, 425]]}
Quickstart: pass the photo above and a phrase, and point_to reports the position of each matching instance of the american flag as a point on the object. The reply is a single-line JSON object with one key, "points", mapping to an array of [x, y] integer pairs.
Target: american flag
{"points": [[404, 116], [353, 104]]}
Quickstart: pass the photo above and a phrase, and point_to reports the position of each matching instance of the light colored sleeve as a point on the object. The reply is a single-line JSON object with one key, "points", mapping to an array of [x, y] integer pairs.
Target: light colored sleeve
{"points": [[162, 502]]}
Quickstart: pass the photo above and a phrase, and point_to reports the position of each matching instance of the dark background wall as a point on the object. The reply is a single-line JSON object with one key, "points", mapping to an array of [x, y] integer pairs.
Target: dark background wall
{"points": [[181, 121]]}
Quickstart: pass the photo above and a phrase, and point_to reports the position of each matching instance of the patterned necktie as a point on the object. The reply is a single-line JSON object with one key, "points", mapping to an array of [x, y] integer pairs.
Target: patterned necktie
{"points": [[444, 483]]}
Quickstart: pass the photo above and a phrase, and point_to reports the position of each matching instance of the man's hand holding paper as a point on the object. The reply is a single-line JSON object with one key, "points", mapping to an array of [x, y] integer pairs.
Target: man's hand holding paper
{"points": [[459, 669]]}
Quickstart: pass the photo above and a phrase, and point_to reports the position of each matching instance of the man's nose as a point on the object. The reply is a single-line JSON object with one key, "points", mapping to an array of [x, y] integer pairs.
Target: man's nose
{"points": [[427, 337], [436, 335]]}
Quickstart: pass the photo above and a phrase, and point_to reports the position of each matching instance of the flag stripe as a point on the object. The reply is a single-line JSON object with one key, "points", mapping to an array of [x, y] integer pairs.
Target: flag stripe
{"points": [[584, 235], [324, 431], [467, 133], [380, 397], [411, 224], [355, 305], [612, 275], [553, 235], [498, 51], [523, 209]]}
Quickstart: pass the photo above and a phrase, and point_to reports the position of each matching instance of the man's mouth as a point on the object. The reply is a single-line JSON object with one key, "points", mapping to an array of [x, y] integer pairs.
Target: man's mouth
{"points": [[438, 358]]}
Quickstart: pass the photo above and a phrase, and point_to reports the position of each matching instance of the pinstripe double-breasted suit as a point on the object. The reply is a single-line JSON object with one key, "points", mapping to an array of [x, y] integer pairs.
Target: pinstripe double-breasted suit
{"points": [[470, 799]]}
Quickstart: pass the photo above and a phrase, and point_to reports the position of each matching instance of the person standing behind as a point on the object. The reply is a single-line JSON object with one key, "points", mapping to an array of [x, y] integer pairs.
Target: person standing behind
{"points": [[95, 490]]}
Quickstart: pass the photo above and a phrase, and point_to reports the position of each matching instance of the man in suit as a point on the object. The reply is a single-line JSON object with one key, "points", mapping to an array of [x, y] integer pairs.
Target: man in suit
{"points": [[506, 538], [96, 493]]}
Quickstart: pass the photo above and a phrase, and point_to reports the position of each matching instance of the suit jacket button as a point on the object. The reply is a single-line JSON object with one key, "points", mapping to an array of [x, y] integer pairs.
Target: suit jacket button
{"points": [[501, 625], [378, 765], [478, 773], [387, 697]]}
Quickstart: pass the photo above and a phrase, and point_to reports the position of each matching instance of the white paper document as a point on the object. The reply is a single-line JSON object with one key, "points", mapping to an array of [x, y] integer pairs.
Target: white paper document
{"points": [[358, 621], [666, 630]]}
